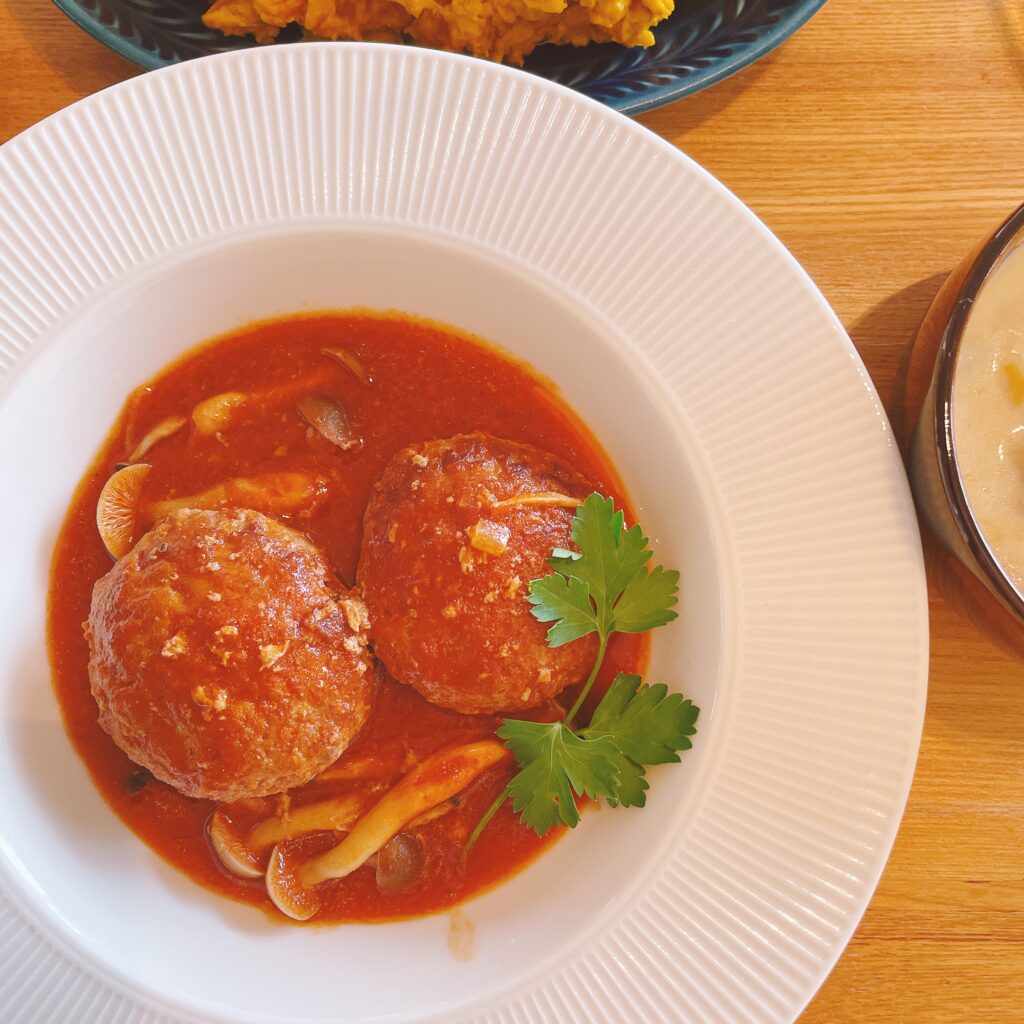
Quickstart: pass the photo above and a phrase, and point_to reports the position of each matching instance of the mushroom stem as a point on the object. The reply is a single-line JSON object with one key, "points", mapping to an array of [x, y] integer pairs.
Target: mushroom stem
{"points": [[358, 768], [333, 815], [165, 428], [289, 391], [433, 814], [551, 498], [439, 777], [216, 412], [272, 493], [220, 411], [242, 855]]}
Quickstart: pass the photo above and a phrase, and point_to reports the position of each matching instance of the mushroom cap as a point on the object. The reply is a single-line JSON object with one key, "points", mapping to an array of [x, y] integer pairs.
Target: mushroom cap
{"points": [[117, 510], [328, 417], [230, 847], [285, 887]]}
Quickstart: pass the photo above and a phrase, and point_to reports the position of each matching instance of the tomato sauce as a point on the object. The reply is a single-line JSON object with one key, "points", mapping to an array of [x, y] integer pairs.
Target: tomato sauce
{"points": [[427, 382]]}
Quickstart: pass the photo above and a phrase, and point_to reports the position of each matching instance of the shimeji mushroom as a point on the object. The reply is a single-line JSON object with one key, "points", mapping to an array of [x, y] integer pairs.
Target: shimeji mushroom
{"points": [[117, 510], [220, 411], [243, 855], [120, 510], [356, 769], [292, 885], [540, 498], [345, 358], [165, 428], [231, 847], [216, 412], [271, 493], [327, 416], [400, 862]]}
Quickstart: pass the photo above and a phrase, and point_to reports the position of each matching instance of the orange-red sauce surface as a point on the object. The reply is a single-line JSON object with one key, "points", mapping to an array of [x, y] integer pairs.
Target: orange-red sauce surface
{"points": [[427, 382]]}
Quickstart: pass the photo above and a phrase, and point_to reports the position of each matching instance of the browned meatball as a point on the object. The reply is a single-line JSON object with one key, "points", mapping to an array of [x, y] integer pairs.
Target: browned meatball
{"points": [[223, 659], [445, 571]]}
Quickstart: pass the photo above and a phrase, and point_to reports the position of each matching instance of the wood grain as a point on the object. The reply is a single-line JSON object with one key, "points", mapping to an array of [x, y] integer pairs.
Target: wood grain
{"points": [[880, 144]]}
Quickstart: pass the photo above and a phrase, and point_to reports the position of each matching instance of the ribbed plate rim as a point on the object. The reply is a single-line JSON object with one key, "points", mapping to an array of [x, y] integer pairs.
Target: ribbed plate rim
{"points": [[687, 167]]}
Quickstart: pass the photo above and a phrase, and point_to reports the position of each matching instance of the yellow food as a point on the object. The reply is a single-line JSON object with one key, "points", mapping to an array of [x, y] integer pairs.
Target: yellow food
{"points": [[504, 30], [1015, 378]]}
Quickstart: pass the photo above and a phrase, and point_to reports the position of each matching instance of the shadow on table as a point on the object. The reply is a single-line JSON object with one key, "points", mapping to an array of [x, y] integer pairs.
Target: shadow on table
{"points": [[892, 325], [83, 63], [688, 113]]}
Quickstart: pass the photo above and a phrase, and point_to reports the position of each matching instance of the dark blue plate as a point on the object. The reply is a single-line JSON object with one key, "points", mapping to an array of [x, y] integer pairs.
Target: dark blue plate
{"points": [[702, 43]]}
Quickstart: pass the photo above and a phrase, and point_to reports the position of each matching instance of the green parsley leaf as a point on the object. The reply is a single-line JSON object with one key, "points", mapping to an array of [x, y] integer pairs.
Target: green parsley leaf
{"points": [[630, 784], [554, 763], [606, 587], [646, 602], [609, 557], [634, 726], [566, 602], [647, 724]]}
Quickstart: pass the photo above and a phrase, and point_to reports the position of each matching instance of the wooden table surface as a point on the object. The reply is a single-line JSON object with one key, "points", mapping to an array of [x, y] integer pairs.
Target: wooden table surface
{"points": [[880, 143]]}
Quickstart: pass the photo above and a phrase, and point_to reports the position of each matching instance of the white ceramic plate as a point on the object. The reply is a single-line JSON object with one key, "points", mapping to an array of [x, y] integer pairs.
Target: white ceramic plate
{"points": [[149, 217]]}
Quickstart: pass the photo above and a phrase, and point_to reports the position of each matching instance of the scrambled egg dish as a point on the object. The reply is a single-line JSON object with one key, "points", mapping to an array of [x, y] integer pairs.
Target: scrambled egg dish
{"points": [[505, 30]]}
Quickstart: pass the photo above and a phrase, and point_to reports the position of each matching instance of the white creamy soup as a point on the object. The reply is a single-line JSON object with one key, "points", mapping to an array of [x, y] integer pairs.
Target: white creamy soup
{"points": [[988, 413]]}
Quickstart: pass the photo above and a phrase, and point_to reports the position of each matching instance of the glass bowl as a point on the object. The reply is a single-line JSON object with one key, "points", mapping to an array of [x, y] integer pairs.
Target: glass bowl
{"points": [[970, 572]]}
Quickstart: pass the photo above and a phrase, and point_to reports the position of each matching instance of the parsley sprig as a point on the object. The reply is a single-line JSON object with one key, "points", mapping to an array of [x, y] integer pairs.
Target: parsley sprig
{"points": [[604, 587]]}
